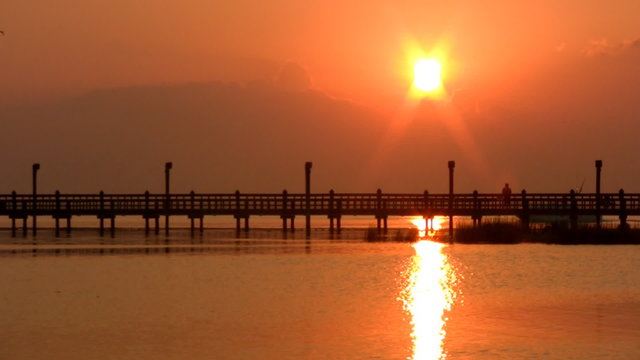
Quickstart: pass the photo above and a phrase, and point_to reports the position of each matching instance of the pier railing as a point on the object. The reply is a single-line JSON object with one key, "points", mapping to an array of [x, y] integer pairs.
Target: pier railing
{"points": [[378, 204]]}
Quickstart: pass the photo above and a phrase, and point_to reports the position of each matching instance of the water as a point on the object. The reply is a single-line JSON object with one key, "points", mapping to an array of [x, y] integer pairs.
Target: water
{"points": [[265, 297]]}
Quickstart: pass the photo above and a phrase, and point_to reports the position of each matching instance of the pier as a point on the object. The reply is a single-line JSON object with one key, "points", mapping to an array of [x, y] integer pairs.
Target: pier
{"points": [[331, 205]]}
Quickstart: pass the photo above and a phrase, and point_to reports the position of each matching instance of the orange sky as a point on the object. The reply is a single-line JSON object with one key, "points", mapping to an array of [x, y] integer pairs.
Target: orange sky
{"points": [[353, 49], [519, 68]]}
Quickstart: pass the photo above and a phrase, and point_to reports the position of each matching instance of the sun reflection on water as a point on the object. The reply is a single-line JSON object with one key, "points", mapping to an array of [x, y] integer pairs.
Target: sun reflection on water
{"points": [[428, 297], [427, 228]]}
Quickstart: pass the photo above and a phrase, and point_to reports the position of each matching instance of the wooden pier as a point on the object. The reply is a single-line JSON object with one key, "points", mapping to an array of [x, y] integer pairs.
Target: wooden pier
{"points": [[287, 206]]}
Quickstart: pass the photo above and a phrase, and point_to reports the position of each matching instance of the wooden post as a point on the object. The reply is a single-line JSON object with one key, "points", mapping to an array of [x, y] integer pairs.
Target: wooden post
{"points": [[293, 217], [101, 213], [112, 206], [379, 208], [573, 216], [285, 214], [34, 173], [427, 205], [14, 209], [451, 165], [331, 210], [307, 177], [192, 211], [57, 213], [524, 217], [167, 208], [623, 210], [598, 196], [339, 218], [146, 212], [476, 208]]}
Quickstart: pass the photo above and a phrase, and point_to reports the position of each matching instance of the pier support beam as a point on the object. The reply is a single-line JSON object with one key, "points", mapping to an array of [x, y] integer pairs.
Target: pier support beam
{"points": [[451, 164], [524, 216], [623, 210], [34, 173], [598, 196], [238, 222], [167, 178], [573, 215], [307, 190]]}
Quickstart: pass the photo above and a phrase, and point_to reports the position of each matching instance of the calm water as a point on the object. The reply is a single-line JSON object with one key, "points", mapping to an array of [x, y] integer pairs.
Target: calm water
{"points": [[265, 297]]}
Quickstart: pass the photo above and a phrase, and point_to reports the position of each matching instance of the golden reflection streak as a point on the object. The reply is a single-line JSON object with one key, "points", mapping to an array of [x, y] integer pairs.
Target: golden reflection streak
{"points": [[428, 296], [427, 228]]}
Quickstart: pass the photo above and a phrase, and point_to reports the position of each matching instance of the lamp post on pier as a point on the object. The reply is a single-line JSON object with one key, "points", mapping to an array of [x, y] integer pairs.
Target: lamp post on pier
{"points": [[307, 191], [452, 165], [34, 182], [598, 196], [167, 178]]}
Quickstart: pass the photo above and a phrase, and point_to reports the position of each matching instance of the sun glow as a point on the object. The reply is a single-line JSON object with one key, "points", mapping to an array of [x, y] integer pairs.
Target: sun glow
{"points": [[427, 227], [427, 75]]}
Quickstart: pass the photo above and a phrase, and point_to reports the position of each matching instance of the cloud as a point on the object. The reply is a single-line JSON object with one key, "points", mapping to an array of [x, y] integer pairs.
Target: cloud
{"points": [[604, 47], [292, 76]]}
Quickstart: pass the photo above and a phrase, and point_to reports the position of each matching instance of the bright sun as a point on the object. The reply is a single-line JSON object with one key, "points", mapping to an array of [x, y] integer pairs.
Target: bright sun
{"points": [[426, 74]]}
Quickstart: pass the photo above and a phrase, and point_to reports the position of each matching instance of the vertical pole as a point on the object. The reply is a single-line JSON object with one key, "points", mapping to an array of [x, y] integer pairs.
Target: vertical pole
{"points": [[192, 210], [57, 213], [475, 208], [101, 215], [452, 165], [34, 174], [339, 218], [573, 215], [307, 176], [167, 178], [284, 210], [331, 210], [14, 208], [525, 211], [378, 208], [598, 171], [623, 210]]}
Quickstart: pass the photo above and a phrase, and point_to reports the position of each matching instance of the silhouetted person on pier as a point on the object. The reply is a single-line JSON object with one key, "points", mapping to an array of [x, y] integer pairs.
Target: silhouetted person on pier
{"points": [[506, 194]]}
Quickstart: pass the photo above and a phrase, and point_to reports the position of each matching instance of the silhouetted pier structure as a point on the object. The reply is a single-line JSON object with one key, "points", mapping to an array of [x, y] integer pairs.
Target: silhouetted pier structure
{"points": [[331, 205]]}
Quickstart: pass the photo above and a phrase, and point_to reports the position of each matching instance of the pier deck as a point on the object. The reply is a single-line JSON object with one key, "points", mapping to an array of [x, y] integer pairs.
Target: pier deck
{"points": [[332, 205]]}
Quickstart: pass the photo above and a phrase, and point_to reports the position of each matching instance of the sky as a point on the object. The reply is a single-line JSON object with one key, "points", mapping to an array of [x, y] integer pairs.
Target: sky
{"points": [[240, 94]]}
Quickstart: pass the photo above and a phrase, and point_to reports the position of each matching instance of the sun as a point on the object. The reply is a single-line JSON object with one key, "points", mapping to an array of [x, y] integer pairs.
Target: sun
{"points": [[427, 75]]}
